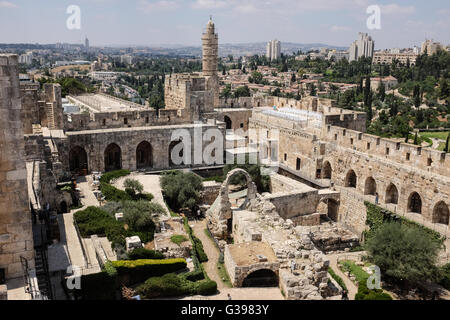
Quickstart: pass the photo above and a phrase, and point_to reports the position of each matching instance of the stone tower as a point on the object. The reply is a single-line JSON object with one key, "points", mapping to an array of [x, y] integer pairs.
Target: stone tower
{"points": [[16, 238], [210, 41]]}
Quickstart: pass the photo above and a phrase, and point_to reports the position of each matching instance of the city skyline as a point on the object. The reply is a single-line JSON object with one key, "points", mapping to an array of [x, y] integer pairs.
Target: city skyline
{"points": [[177, 22]]}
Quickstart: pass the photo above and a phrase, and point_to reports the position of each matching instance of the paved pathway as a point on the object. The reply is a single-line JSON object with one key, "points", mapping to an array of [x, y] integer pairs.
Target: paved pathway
{"points": [[211, 251], [351, 287]]}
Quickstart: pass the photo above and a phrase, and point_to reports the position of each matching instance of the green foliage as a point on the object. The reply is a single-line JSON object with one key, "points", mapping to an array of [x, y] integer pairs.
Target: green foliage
{"points": [[138, 215], [131, 272], [197, 249], [172, 285], [110, 269], [196, 275], [445, 276], [365, 293], [113, 175], [133, 187], [93, 220], [178, 239], [111, 193], [404, 253], [97, 286], [254, 170], [337, 278], [142, 253], [357, 271], [243, 91], [181, 190]]}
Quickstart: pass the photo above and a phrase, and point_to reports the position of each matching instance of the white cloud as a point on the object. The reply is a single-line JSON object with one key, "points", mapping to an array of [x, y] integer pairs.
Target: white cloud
{"points": [[162, 5], [7, 4], [395, 9]]}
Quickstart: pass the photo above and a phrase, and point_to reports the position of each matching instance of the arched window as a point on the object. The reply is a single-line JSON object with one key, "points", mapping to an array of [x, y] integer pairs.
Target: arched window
{"points": [[392, 194], [351, 179], [113, 157], [78, 159], [327, 171], [228, 122], [415, 203], [144, 155], [441, 213], [370, 187]]}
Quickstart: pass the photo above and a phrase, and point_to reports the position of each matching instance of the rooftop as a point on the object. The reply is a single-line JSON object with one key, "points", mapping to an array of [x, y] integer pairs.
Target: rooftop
{"points": [[99, 102], [247, 253]]}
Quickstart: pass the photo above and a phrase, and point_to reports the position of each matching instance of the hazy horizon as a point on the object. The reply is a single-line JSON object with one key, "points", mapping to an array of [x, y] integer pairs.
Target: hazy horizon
{"points": [[159, 23]]}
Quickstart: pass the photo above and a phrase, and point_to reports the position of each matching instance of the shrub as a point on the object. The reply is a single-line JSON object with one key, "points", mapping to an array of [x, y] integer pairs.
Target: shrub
{"points": [[194, 275], [445, 281], [97, 286], [111, 193], [365, 293], [93, 220], [181, 190], [110, 176], [337, 278], [199, 249], [110, 269], [135, 271], [142, 253], [207, 287], [172, 285], [133, 187]]}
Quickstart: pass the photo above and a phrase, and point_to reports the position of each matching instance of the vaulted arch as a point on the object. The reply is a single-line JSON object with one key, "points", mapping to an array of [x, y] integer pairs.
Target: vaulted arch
{"points": [[441, 213], [392, 194], [351, 179], [327, 171], [78, 159], [370, 187], [144, 155], [415, 203], [113, 157]]}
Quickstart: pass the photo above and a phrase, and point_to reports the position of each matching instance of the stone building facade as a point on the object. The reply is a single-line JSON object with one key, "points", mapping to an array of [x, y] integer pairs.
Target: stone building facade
{"points": [[16, 239]]}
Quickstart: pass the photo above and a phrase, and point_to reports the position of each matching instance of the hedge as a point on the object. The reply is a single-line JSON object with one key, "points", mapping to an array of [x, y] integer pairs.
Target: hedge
{"points": [[97, 286], [110, 176], [142, 253], [131, 272], [172, 285], [337, 278], [445, 281], [196, 242], [365, 293]]}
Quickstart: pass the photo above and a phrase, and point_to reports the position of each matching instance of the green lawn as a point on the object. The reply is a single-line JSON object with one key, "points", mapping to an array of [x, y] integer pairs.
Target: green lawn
{"points": [[435, 135]]}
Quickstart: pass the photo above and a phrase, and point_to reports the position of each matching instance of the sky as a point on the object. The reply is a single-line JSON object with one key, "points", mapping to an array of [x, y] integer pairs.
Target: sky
{"points": [[161, 22]]}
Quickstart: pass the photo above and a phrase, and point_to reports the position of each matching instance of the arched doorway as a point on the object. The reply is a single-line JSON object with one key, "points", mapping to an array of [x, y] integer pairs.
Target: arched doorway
{"points": [[327, 171], [415, 203], [144, 155], [172, 145], [228, 122], [78, 160], [351, 179], [113, 157], [441, 213], [392, 194], [370, 186], [262, 278]]}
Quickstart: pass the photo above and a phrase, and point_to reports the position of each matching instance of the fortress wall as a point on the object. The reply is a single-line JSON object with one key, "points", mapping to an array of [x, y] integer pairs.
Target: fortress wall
{"points": [[16, 237]]}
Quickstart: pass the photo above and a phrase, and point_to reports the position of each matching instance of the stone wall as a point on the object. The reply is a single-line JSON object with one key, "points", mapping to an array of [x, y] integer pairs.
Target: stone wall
{"points": [[16, 237]]}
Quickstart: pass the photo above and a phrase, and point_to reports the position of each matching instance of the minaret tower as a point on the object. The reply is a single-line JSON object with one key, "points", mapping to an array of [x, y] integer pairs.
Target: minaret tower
{"points": [[210, 41]]}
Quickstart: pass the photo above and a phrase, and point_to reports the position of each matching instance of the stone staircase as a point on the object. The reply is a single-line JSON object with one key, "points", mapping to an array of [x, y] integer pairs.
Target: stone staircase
{"points": [[41, 267]]}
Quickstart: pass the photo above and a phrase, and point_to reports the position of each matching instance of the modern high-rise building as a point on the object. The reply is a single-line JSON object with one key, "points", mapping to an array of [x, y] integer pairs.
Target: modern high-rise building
{"points": [[430, 47], [273, 51], [363, 47], [86, 44]]}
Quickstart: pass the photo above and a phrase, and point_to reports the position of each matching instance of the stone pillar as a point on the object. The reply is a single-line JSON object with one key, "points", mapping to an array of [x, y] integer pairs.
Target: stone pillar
{"points": [[16, 238]]}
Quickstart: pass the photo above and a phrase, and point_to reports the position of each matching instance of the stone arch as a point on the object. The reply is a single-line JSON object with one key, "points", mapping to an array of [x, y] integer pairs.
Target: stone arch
{"points": [[351, 179], [327, 171], [370, 187], [113, 157], [415, 203], [228, 122], [441, 213], [220, 213], [144, 155], [78, 160], [261, 278], [172, 145], [391, 194]]}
